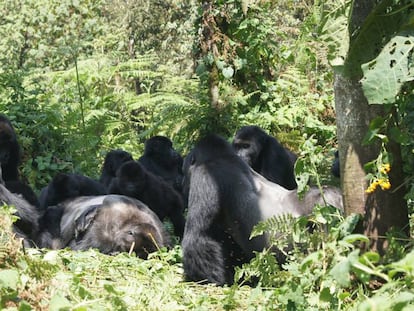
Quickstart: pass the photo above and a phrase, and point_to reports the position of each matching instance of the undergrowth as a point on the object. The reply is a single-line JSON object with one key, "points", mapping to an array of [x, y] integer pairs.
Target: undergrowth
{"points": [[325, 270]]}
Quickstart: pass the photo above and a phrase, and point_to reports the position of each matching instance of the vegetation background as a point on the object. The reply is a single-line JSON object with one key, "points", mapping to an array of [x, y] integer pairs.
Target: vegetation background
{"points": [[79, 78]]}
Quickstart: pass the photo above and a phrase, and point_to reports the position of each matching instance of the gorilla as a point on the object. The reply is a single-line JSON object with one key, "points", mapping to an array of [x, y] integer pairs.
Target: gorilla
{"points": [[335, 169], [9, 150], [23, 189], [135, 181], [266, 155], [113, 160], [10, 157], [226, 200], [65, 186], [26, 227], [109, 223], [162, 160]]}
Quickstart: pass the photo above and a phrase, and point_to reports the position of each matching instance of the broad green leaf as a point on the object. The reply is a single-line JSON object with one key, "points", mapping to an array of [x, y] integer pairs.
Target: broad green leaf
{"points": [[59, 303], [9, 278], [228, 72], [341, 272], [355, 237], [384, 76]]}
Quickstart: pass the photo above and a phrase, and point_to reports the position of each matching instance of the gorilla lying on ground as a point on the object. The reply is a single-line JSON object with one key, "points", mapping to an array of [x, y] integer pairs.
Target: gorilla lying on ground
{"points": [[66, 186], [135, 181], [266, 155], [226, 200], [113, 160], [110, 223]]}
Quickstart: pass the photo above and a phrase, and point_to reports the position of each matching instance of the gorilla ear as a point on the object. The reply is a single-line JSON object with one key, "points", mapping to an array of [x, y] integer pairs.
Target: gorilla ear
{"points": [[83, 222]]}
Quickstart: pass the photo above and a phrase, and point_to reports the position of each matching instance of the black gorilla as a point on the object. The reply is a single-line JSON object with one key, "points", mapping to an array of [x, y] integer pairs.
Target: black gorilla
{"points": [[335, 169], [10, 157], [65, 186], [266, 155], [113, 160], [9, 150], [26, 227], [18, 187], [162, 160], [135, 181], [110, 223], [226, 200]]}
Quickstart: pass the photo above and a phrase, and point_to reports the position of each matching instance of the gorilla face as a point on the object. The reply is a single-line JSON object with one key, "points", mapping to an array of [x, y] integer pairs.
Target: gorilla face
{"points": [[109, 223], [131, 178], [128, 234], [248, 150], [160, 148], [114, 160]]}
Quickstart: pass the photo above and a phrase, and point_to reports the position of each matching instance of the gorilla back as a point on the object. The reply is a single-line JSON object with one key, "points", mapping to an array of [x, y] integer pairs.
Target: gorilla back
{"points": [[226, 200], [9, 150], [222, 204]]}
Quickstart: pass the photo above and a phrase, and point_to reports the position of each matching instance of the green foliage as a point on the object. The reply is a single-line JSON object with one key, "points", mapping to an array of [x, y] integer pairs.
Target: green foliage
{"points": [[325, 268], [384, 76], [79, 78]]}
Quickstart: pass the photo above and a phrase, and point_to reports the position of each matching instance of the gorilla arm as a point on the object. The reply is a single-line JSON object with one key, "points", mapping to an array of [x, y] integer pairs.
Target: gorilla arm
{"points": [[203, 255]]}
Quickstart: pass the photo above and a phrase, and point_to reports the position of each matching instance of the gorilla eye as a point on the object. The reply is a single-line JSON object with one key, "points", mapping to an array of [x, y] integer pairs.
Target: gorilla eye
{"points": [[244, 146]]}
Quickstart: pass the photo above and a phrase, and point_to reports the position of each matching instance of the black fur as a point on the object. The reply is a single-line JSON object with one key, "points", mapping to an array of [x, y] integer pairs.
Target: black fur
{"points": [[65, 186], [18, 187], [161, 159], [226, 200], [135, 181], [113, 160], [335, 169], [266, 155], [26, 227], [9, 150]]}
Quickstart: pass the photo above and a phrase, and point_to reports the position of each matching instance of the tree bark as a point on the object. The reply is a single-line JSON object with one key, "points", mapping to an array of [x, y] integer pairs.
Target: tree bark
{"points": [[381, 210]]}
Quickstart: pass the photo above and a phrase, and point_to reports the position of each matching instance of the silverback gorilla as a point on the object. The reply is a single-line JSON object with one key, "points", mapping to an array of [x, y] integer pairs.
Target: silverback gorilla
{"points": [[226, 200], [110, 223], [266, 155]]}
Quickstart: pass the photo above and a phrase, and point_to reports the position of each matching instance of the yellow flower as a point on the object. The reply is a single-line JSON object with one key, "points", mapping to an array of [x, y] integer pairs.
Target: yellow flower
{"points": [[385, 168], [371, 188], [385, 184]]}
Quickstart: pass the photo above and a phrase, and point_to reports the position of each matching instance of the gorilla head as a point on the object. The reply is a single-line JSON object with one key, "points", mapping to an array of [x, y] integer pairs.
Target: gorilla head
{"points": [[121, 224], [113, 160], [110, 223], [160, 148], [266, 155], [161, 159], [135, 181]]}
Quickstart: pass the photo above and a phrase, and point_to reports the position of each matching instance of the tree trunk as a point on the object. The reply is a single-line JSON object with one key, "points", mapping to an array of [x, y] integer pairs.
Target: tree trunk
{"points": [[380, 210]]}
